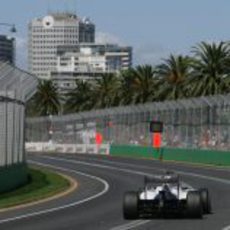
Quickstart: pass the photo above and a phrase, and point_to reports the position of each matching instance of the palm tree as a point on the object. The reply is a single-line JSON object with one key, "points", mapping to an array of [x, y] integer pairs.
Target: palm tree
{"points": [[126, 95], [46, 101], [143, 83], [172, 75], [80, 98], [210, 69], [106, 90]]}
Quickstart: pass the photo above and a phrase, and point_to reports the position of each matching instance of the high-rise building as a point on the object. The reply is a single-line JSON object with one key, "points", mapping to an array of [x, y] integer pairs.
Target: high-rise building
{"points": [[87, 61], [7, 49], [47, 33]]}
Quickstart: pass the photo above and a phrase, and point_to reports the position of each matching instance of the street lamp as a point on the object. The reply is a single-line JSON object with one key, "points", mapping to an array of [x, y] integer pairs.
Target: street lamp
{"points": [[12, 29]]}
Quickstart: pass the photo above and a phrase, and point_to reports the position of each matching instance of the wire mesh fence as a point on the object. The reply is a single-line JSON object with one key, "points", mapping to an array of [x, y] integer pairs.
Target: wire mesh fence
{"points": [[192, 123], [16, 86]]}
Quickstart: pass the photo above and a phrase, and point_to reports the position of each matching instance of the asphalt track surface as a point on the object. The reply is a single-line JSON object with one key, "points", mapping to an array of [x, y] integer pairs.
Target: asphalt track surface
{"points": [[97, 202]]}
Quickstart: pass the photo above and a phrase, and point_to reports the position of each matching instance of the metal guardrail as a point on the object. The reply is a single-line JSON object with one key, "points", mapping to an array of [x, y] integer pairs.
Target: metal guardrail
{"points": [[202, 123], [16, 87]]}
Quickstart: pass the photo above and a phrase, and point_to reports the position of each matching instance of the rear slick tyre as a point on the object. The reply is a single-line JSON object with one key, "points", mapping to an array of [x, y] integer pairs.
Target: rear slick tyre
{"points": [[194, 205], [205, 200], [130, 205]]}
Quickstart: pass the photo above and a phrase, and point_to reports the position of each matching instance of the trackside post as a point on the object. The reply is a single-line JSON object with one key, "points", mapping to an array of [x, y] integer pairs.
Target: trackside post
{"points": [[156, 128]]}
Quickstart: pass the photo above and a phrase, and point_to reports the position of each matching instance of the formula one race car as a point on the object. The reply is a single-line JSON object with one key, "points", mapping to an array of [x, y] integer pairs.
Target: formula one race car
{"points": [[163, 195]]}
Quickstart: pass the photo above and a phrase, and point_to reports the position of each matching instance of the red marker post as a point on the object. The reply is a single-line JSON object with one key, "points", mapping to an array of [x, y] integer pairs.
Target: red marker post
{"points": [[156, 140], [98, 140]]}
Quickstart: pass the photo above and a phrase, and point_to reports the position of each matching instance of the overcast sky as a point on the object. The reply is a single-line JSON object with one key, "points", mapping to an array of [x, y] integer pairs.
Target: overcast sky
{"points": [[155, 28]]}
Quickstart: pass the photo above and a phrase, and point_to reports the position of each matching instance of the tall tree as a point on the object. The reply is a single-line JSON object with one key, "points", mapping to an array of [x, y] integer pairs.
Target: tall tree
{"points": [[106, 90], [210, 69], [173, 74], [46, 101], [80, 98], [126, 94], [143, 83]]}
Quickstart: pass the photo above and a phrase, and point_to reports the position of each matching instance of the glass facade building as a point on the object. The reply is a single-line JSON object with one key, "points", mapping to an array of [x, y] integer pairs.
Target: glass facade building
{"points": [[7, 49]]}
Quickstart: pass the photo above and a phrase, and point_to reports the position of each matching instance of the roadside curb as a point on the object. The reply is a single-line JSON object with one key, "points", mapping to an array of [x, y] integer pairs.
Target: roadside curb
{"points": [[73, 186]]}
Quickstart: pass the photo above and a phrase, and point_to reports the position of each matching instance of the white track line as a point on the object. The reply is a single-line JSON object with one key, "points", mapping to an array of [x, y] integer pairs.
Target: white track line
{"points": [[98, 165], [105, 183], [189, 174], [219, 180], [216, 179], [198, 166], [161, 170], [131, 225]]}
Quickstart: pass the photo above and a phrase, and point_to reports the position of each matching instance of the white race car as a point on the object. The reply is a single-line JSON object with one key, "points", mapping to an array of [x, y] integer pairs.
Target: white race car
{"points": [[163, 195]]}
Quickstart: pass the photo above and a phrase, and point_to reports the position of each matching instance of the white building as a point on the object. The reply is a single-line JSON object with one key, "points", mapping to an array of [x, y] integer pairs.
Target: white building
{"points": [[86, 61], [47, 33]]}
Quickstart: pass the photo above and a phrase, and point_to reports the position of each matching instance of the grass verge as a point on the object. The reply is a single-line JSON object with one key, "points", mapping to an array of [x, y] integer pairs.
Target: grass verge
{"points": [[42, 184]]}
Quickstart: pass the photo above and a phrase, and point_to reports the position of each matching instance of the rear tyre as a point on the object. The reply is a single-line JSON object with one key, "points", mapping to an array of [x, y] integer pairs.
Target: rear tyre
{"points": [[130, 205], [205, 200], [194, 204]]}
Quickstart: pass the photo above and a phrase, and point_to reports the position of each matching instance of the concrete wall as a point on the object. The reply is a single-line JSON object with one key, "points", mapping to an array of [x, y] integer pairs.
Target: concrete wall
{"points": [[13, 176], [185, 155]]}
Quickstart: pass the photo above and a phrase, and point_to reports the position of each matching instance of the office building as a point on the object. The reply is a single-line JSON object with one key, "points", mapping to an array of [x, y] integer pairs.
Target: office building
{"points": [[47, 33], [87, 61], [7, 49]]}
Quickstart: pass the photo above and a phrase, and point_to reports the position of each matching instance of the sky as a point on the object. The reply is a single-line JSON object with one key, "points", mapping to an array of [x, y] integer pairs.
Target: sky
{"points": [[154, 28]]}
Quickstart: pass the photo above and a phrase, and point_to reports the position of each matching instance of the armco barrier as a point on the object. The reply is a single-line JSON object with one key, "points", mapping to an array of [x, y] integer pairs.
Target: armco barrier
{"points": [[45, 147], [174, 154], [13, 176]]}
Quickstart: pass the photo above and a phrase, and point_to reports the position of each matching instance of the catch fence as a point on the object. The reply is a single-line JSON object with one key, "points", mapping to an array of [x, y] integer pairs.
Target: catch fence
{"points": [[199, 123]]}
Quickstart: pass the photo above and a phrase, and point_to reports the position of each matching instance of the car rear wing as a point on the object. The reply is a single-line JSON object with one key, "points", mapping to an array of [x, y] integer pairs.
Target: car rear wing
{"points": [[163, 179]]}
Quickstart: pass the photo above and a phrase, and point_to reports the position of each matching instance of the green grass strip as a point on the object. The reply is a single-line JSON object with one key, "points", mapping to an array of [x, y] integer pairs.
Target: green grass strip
{"points": [[42, 184]]}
